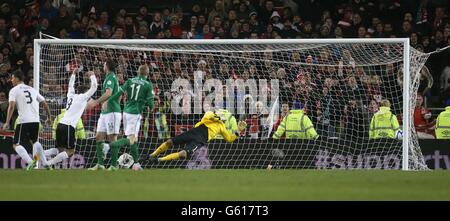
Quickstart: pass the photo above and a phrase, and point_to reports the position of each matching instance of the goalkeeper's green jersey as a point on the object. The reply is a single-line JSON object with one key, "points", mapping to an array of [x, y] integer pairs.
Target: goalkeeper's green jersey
{"points": [[139, 94], [112, 83]]}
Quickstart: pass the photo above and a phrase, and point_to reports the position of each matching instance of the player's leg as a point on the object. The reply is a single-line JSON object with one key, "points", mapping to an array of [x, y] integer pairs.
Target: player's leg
{"points": [[174, 156], [113, 130], [19, 139], [131, 125], [116, 145], [99, 140], [38, 151], [162, 148], [51, 152], [191, 140], [180, 140], [194, 136], [134, 143], [65, 142], [189, 149]]}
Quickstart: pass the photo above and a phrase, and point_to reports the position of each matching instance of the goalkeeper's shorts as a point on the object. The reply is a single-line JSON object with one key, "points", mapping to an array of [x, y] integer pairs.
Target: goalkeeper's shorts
{"points": [[192, 139]]}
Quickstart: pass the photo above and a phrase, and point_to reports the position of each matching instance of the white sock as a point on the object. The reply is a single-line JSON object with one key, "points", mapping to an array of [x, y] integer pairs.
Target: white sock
{"points": [[51, 151], [23, 154], [58, 158], [39, 151]]}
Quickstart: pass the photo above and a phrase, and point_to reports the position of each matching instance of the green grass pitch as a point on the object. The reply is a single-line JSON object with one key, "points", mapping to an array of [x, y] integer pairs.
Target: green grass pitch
{"points": [[177, 184]]}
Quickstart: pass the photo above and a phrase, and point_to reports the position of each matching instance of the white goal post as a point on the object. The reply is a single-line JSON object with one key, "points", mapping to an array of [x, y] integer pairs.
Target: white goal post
{"points": [[372, 55]]}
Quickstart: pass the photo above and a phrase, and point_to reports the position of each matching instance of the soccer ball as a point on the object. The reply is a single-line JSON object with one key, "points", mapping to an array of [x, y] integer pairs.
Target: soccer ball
{"points": [[399, 134], [125, 160]]}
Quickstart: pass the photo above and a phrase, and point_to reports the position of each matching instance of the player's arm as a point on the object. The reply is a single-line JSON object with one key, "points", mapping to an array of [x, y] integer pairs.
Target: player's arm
{"points": [[122, 89], [94, 85], [71, 90], [41, 99], [105, 96], [230, 137], [11, 108], [227, 136]]}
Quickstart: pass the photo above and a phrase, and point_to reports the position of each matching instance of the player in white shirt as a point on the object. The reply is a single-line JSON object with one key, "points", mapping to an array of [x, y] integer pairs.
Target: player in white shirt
{"points": [[27, 100], [76, 104]]}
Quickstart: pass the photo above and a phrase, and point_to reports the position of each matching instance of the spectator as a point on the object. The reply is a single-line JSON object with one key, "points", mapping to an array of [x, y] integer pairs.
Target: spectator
{"points": [[423, 123], [143, 15], [130, 27], [243, 12], [276, 21], [62, 20], [445, 83], [3, 107], [48, 11], [266, 11], [284, 112], [218, 10], [157, 25], [426, 24], [75, 31]]}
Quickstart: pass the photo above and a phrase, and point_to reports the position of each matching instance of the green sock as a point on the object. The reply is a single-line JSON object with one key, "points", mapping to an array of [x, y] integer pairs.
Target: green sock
{"points": [[134, 152], [99, 145], [115, 146]]}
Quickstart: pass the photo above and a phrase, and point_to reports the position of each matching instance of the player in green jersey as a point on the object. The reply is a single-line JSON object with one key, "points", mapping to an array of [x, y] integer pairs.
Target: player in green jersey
{"points": [[108, 124], [139, 95]]}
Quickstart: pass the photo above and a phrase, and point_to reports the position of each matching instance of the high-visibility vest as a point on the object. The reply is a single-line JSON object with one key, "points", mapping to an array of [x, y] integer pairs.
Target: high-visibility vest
{"points": [[296, 125], [384, 124], [443, 124]]}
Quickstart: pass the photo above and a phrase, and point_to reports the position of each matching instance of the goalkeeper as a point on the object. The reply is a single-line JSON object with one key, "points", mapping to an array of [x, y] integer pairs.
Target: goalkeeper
{"points": [[211, 124]]}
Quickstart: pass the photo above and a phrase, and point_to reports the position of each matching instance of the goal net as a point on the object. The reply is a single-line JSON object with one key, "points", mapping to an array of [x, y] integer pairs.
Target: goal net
{"points": [[338, 83]]}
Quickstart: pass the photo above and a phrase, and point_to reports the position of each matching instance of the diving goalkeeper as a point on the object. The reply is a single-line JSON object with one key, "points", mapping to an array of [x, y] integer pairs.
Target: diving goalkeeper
{"points": [[210, 125]]}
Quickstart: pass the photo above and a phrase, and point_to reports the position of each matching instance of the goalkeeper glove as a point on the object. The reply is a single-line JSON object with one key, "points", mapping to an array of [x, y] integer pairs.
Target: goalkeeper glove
{"points": [[242, 125]]}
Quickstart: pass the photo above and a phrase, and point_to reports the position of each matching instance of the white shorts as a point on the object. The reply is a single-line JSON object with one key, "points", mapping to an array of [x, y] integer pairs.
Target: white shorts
{"points": [[109, 123], [131, 124]]}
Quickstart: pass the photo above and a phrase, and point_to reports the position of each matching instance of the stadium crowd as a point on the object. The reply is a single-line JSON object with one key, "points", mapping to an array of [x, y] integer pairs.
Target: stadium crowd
{"points": [[425, 22]]}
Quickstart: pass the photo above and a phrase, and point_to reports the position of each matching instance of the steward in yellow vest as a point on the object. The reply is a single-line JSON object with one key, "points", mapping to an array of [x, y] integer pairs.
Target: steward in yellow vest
{"points": [[443, 124], [384, 124], [296, 125]]}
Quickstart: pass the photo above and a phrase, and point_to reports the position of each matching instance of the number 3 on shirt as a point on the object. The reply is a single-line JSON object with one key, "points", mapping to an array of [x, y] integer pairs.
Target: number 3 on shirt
{"points": [[30, 99]]}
